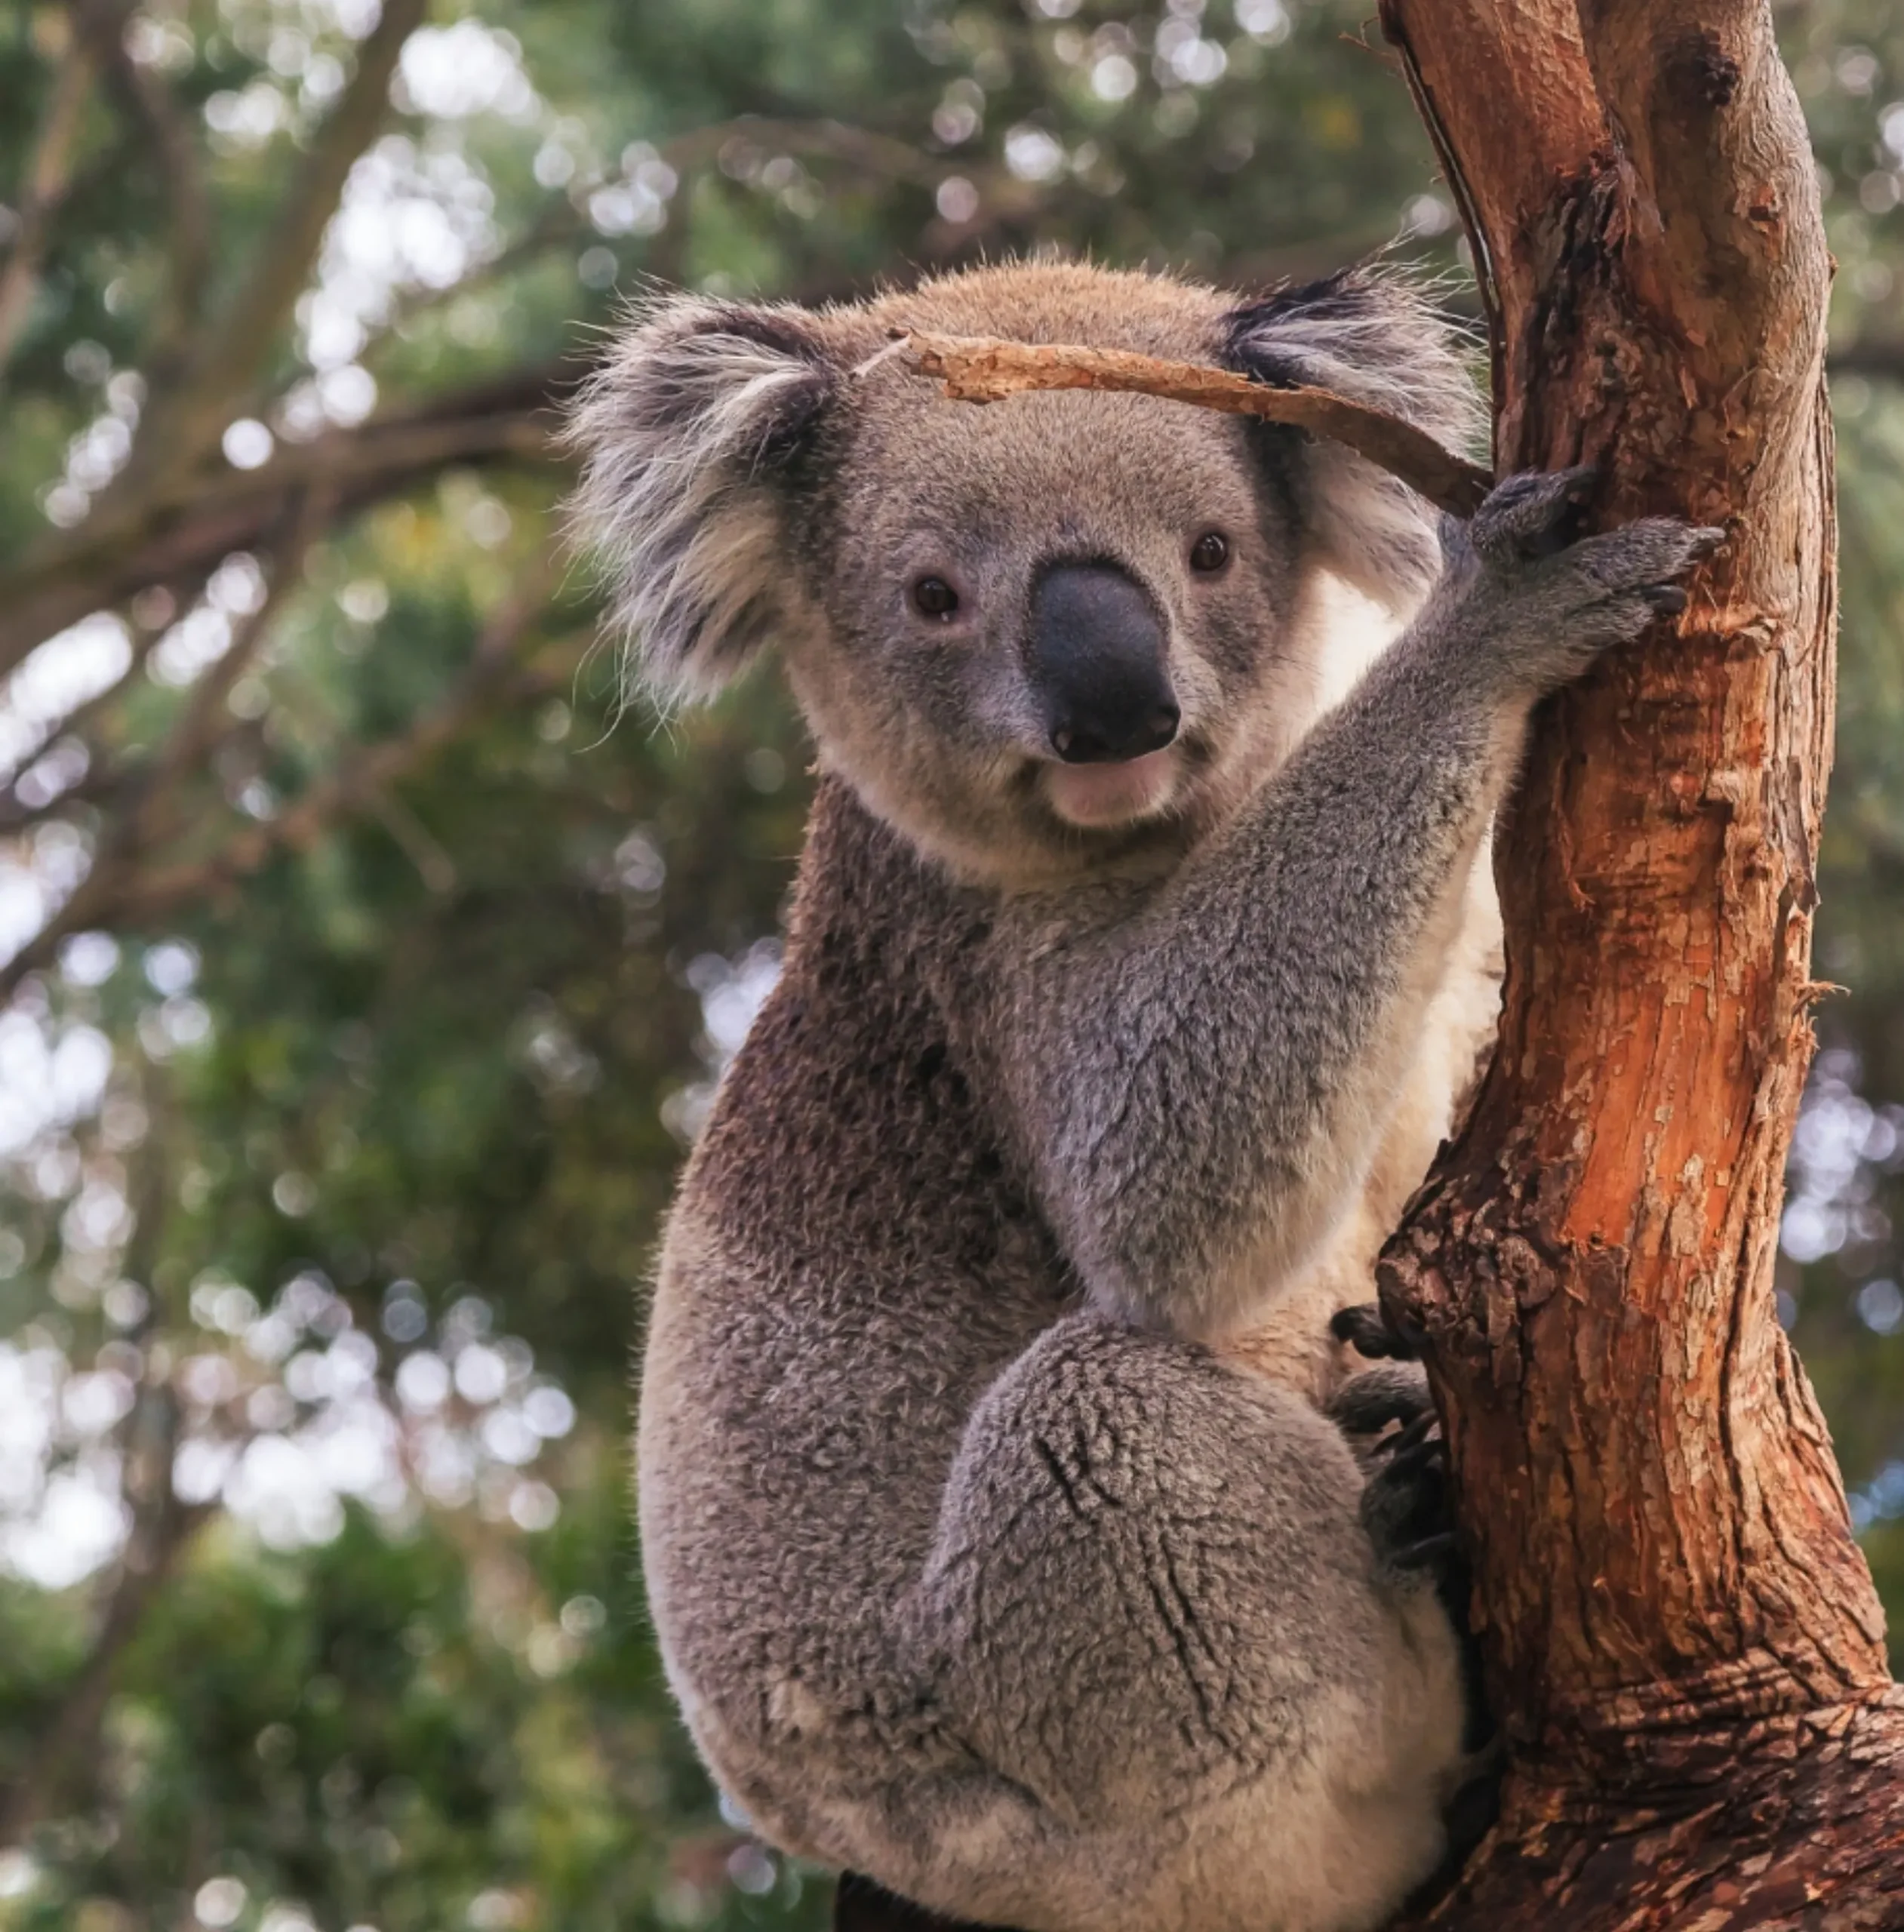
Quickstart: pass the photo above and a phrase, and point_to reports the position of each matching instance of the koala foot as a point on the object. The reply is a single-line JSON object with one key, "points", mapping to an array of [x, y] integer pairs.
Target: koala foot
{"points": [[1407, 1508], [1548, 600], [1408, 1504], [1476, 1803], [1369, 1331], [1374, 1399]]}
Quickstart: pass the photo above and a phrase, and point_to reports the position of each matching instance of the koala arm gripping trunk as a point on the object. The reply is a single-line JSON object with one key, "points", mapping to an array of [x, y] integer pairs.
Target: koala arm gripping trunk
{"points": [[1202, 1079]]}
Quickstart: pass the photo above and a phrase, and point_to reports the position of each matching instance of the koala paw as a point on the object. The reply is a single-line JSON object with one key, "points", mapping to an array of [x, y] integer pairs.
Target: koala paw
{"points": [[1549, 601], [1407, 1505], [1534, 515]]}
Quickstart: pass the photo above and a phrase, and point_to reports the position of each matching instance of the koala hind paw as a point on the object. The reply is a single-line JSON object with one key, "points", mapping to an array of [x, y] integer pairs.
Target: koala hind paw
{"points": [[1373, 1400], [1408, 1504]]}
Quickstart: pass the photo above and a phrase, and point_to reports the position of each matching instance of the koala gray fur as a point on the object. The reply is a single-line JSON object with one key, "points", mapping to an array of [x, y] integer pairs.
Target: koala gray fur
{"points": [[998, 1540]]}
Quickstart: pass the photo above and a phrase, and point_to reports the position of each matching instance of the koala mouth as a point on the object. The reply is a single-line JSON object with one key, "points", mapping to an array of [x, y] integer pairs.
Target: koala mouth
{"points": [[1096, 797]]}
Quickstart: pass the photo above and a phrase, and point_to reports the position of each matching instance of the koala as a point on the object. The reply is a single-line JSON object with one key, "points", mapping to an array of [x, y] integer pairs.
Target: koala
{"points": [[1005, 1527]]}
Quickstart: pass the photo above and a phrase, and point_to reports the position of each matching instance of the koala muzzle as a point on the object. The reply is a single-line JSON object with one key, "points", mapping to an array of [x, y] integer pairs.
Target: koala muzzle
{"points": [[1097, 657]]}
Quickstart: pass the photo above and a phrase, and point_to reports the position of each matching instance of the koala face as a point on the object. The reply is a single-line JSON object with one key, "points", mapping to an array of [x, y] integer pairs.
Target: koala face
{"points": [[1037, 635], [1043, 629]]}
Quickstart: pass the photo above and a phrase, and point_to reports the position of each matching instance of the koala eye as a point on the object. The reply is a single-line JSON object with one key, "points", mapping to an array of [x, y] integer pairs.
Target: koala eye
{"points": [[1210, 551], [933, 597]]}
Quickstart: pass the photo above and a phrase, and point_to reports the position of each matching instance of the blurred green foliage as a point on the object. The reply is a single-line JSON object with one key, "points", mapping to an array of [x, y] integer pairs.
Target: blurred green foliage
{"points": [[374, 967]]}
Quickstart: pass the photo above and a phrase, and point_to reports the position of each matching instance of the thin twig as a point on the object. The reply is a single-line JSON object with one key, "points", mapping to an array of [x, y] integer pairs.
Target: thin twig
{"points": [[359, 780], [189, 741], [68, 1746], [1395, 32], [867, 152], [98, 784], [151, 812], [65, 1754], [983, 369], [862, 147], [1881, 355], [559, 222]]}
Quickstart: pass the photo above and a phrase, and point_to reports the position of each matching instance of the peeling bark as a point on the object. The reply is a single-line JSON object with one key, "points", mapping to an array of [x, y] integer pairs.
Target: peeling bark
{"points": [[1681, 1637]]}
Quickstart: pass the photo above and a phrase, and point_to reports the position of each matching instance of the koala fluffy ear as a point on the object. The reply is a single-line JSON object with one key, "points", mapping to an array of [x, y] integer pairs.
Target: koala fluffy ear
{"points": [[682, 431], [1370, 335]]}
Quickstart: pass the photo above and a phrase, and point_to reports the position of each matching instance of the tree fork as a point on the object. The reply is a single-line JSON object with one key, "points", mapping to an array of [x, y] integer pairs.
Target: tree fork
{"points": [[1681, 1637]]}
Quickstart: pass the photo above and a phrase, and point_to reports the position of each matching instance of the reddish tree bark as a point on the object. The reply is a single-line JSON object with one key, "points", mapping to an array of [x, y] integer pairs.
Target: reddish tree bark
{"points": [[1682, 1639]]}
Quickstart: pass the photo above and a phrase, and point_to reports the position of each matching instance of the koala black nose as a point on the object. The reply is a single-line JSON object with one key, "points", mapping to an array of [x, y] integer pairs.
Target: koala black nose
{"points": [[1098, 661]]}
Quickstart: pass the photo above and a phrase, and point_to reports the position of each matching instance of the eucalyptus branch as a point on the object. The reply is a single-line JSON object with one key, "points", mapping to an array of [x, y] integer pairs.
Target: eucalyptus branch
{"points": [[152, 811], [862, 149], [65, 1751], [188, 744], [559, 222], [1881, 356], [983, 369], [15, 815], [359, 780], [67, 1747]]}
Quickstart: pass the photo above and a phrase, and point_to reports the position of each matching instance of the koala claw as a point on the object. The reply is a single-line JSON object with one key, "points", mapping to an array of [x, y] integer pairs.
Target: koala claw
{"points": [[1407, 1447], [1375, 1399], [1641, 561]]}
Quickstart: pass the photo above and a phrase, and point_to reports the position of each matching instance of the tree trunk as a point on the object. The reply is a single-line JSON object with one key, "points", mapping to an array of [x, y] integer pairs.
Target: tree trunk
{"points": [[1682, 1640]]}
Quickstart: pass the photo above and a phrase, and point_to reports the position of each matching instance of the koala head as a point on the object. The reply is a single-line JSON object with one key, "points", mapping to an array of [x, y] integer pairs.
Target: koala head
{"points": [[1034, 636]]}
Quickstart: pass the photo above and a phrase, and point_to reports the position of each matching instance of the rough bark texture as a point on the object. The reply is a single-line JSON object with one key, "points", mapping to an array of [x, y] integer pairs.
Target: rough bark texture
{"points": [[1681, 1636]]}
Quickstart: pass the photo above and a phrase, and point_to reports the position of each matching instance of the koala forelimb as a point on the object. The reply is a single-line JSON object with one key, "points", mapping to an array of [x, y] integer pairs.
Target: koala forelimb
{"points": [[1265, 998]]}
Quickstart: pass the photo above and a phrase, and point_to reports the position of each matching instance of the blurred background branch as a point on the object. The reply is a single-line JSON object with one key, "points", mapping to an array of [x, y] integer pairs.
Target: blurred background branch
{"points": [[1876, 354], [48, 174], [318, 816], [173, 144]]}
